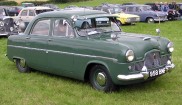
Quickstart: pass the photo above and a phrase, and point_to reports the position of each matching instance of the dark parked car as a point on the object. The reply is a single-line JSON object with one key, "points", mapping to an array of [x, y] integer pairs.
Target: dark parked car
{"points": [[129, 3], [14, 10], [145, 12], [7, 25], [180, 8], [88, 45], [171, 13]]}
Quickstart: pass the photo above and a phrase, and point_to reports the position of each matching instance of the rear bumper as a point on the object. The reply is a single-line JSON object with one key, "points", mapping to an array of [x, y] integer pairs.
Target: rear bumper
{"points": [[142, 75]]}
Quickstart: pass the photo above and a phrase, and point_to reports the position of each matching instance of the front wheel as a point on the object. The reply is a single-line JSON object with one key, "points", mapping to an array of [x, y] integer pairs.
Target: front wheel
{"points": [[22, 66], [100, 79], [170, 18], [150, 20]]}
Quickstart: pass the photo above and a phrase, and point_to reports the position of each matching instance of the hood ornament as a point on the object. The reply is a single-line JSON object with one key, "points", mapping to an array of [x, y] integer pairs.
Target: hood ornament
{"points": [[146, 38]]}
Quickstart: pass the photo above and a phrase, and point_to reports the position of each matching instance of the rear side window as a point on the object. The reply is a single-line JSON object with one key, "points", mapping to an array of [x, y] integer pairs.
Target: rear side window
{"points": [[41, 28], [61, 27], [31, 13], [130, 9], [24, 13]]}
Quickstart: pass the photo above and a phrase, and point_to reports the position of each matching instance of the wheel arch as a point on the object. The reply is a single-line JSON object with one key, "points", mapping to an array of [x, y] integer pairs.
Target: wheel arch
{"points": [[15, 57], [90, 65]]}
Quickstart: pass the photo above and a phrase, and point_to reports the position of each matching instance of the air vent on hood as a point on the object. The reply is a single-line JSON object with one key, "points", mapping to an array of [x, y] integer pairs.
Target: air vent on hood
{"points": [[146, 38]]}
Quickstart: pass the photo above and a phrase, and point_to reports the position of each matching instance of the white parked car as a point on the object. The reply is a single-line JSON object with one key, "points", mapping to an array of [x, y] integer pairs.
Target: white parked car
{"points": [[28, 13]]}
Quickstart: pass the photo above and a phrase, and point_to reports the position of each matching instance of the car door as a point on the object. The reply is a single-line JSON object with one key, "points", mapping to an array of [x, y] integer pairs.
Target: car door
{"points": [[61, 48], [138, 11], [37, 44]]}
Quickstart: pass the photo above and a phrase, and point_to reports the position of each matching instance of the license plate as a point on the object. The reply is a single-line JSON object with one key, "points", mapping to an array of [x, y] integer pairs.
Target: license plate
{"points": [[157, 72]]}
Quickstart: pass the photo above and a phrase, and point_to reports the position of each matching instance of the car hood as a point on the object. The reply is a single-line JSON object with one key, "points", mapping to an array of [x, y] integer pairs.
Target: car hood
{"points": [[139, 43], [126, 15]]}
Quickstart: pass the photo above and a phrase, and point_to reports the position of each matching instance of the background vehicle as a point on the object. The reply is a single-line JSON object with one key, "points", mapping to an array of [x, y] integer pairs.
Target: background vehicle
{"points": [[145, 13], [14, 10], [28, 13], [27, 5], [171, 13], [123, 18], [7, 25]]}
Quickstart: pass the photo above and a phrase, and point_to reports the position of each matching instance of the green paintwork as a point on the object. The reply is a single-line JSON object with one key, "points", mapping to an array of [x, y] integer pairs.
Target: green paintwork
{"points": [[70, 56]]}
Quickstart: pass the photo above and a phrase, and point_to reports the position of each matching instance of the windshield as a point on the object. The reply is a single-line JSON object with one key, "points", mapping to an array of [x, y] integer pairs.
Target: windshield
{"points": [[115, 10], [96, 26]]}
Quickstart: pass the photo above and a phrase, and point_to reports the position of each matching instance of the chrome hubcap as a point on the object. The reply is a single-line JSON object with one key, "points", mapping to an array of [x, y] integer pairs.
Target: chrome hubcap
{"points": [[150, 21], [22, 63], [101, 79]]}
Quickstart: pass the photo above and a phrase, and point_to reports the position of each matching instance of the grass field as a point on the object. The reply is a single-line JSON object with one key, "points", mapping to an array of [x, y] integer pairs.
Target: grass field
{"points": [[39, 88]]}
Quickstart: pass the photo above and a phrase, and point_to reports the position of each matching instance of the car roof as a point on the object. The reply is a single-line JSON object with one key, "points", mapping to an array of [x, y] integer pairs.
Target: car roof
{"points": [[134, 5], [70, 13], [36, 8]]}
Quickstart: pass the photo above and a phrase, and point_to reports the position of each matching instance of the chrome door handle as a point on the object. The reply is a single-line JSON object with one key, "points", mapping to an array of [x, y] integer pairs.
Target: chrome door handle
{"points": [[49, 39], [27, 37]]}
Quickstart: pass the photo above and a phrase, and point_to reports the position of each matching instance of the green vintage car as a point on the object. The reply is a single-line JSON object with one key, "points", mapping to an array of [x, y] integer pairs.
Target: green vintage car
{"points": [[88, 45]]}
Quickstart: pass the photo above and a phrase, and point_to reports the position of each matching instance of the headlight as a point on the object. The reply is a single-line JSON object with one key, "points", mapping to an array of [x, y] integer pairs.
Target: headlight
{"points": [[11, 28], [129, 55], [128, 19], [170, 47], [138, 19], [1, 23]]}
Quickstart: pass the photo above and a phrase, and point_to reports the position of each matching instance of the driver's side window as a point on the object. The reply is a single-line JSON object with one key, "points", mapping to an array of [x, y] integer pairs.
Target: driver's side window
{"points": [[61, 27], [41, 28]]}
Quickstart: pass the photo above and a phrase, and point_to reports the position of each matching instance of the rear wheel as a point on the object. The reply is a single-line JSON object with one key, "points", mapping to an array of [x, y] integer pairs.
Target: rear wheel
{"points": [[22, 66], [100, 79], [150, 20]]}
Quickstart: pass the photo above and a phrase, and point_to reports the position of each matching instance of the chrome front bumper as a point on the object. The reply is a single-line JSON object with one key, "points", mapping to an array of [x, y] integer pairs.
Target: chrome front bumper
{"points": [[142, 75], [160, 19]]}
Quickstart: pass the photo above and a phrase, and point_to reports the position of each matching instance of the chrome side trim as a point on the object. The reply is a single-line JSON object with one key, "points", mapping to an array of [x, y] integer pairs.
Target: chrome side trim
{"points": [[3, 34], [62, 52]]}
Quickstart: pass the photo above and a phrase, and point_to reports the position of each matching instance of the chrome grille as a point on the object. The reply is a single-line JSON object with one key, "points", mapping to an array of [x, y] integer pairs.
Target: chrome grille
{"points": [[152, 60]]}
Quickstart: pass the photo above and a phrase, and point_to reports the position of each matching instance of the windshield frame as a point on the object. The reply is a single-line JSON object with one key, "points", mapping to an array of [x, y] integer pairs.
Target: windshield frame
{"points": [[93, 32]]}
